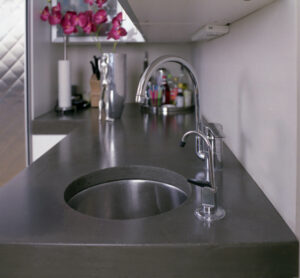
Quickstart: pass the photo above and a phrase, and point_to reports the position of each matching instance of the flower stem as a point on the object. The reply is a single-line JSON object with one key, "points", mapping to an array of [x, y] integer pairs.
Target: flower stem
{"points": [[115, 46], [98, 44], [65, 47]]}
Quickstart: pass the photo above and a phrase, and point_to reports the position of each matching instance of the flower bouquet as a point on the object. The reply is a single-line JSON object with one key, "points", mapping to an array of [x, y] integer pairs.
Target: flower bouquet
{"points": [[88, 22]]}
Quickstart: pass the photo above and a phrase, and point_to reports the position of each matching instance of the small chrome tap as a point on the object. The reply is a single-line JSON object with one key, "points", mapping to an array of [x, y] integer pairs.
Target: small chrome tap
{"points": [[210, 156], [209, 210]]}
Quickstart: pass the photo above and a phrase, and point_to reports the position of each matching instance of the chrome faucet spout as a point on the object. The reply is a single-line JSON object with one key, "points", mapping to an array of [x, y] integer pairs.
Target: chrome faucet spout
{"points": [[141, 90]]}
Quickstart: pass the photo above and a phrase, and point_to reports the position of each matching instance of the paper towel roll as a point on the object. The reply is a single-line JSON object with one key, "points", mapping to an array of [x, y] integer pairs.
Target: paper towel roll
{"points": [[64, 84]]}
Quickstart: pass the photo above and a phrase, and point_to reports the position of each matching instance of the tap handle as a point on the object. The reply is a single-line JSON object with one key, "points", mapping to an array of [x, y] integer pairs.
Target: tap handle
{"points": [[181, 144], [199, 183]]}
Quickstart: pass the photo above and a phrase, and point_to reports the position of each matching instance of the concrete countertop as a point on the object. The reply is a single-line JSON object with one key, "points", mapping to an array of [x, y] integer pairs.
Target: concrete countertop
{"points": [[41, 236]]}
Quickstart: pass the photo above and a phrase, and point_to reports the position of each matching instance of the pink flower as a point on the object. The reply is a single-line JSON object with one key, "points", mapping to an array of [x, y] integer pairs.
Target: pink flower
{"points": [[83, 19], [65, 20], [54, 18], [80, 20], [116, 23], [74, 20], [56, 8], [117, 20], [68, 25], [119, 17], [68, 28], [89, 15], [100, 17], [100, 3], [69, 15], [90, 2], [89, 27], [45, 14], [116, 33]]}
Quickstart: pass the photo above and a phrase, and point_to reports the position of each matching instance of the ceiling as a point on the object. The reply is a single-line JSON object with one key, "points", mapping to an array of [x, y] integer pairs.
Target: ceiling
{"points": [[178, 20]]}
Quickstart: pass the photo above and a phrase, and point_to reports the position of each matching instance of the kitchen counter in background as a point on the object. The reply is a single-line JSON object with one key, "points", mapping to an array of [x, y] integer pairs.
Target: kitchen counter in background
{"points": [[41, 236]]}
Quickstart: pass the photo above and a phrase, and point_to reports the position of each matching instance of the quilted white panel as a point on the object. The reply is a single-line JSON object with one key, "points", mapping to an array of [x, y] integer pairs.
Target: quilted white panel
{"points": [[12, 129], [12, 31]]}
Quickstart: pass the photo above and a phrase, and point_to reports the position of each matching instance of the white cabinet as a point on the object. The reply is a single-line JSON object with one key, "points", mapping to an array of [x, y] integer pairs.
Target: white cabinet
{"points": [[43, 143]]}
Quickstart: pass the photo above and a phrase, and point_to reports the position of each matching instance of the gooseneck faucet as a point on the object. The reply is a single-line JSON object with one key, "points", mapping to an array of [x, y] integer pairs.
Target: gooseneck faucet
{"points": [[141, 91], [209, 210]]}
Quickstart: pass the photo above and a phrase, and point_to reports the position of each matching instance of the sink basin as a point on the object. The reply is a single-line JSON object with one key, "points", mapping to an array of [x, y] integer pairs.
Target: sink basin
{"points": [[127, 192]]}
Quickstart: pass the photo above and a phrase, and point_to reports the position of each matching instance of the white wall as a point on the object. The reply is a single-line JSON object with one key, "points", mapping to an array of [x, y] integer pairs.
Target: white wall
{"points": [[81, 55], [249, 84], [43, 62]]}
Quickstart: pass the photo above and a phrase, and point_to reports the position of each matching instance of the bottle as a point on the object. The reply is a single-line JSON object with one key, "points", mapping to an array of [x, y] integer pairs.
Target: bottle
{"points": [[159, 75], [187, 98], [174, 90], [170, 81], [180, 97], [183, 78], [166, 95]]}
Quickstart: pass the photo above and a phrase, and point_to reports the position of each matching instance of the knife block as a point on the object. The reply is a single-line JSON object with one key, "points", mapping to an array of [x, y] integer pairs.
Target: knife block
{"points": [[95, 86]]}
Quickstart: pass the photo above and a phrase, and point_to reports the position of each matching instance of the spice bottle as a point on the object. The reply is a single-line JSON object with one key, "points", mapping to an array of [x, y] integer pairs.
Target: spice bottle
{"points": [[174, 90], [180, 97], [187, 98], [166, 95]]}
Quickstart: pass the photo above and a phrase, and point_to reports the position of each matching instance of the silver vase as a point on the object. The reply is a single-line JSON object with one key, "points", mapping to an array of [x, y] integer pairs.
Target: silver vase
{"points": [[113, 83]]}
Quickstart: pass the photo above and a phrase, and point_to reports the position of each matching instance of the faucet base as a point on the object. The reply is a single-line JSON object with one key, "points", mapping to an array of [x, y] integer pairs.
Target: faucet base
{"points": [[209, 214]]}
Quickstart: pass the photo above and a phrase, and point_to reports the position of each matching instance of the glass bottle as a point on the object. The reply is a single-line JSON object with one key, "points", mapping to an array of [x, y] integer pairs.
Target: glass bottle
{"points": [[183, 78], [180, 97], [166, 95], [174, 90]]}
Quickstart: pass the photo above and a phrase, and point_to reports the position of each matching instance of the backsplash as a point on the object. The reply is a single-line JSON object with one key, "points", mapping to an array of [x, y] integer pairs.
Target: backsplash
{"points": [[81, 55]]}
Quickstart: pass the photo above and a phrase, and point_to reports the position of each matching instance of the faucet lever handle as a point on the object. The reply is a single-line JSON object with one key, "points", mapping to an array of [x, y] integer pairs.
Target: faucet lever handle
{"points": [[199, 183]]}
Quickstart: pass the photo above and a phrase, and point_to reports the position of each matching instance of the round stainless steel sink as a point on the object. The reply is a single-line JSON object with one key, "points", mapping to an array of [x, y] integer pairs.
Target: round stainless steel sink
{"points": [[127, 192]]}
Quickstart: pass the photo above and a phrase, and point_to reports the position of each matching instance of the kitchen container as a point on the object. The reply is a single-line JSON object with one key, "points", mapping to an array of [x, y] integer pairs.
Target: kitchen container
{"points": [[113, 82]]}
